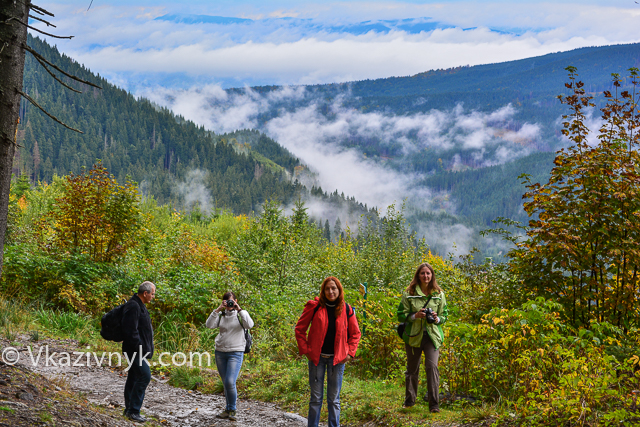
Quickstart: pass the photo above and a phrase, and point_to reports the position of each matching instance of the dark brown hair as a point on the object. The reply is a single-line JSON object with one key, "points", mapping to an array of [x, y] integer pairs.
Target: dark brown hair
{"points": [[339, 301], [228, 295], [431, 286]]}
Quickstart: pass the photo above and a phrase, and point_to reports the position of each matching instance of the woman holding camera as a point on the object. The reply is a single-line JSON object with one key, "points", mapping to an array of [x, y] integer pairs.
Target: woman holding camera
{"points": [[331, 341], [424, 309], [230, 345]]}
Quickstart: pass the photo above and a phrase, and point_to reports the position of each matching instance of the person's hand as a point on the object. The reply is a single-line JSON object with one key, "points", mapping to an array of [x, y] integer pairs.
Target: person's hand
{"points": [[420, 315], [436, 318], [220, 307], [347, 359]]}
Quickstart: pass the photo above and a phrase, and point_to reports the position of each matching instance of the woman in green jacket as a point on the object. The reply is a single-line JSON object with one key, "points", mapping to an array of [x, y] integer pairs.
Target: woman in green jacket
{"points": [[424, 309]]}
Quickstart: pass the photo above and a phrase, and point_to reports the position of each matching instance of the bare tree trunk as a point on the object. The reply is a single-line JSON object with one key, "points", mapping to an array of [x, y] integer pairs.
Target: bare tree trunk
{"points": [[13, 35]]}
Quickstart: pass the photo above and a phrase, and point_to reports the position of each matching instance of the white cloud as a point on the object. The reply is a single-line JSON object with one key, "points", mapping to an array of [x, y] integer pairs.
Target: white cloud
{"points": [[116, 39], [313, 61], [456, 239], [309, 136], [194, 191], [318, 139]]}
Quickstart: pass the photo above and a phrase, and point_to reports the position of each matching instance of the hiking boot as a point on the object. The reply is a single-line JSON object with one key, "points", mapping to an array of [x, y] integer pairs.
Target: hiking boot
{"points": [[136, 417], [232, 415], [435, 410], [224, 414]]}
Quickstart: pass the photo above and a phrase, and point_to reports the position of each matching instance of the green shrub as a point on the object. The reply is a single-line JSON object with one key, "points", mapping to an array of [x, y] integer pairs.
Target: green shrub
{"points": [[545, 369], [187, 378], [69, 323], [381, 351]]}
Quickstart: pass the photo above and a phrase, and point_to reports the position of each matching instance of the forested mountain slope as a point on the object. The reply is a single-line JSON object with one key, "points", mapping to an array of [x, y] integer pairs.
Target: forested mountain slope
{"points": [[171, 158]]}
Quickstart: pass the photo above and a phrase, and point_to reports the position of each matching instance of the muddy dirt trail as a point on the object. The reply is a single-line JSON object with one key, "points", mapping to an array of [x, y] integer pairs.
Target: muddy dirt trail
{"points": [[104, 386]]}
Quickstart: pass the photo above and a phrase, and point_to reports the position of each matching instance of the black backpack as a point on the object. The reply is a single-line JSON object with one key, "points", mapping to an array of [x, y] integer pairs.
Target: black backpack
{"points": [[111, 325], [248, 339]]}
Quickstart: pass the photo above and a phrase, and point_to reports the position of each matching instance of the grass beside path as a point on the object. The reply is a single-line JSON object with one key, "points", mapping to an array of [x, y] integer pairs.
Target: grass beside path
{"points": [[370, 402], [363, 401]]}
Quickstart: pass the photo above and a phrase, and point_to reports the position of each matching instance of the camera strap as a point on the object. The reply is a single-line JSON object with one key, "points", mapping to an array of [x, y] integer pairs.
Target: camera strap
{"points": [[426, 303], [423, 307]]}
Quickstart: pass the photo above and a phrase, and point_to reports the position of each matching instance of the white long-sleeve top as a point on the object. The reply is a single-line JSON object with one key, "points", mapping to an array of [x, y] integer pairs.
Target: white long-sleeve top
{"points": [[231, 336]]}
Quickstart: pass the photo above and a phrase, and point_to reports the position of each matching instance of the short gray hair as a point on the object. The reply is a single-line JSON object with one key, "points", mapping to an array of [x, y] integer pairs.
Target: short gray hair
{"points": [[146, 286]]}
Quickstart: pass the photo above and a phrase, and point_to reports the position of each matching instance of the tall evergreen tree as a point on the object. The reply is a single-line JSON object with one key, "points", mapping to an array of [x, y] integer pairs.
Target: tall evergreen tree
{"points": [[337, 228], [327, 231]]}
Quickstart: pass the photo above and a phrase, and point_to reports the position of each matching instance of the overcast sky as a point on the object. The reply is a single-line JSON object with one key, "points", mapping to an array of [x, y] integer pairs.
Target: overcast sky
{"points": [[137, 43]]}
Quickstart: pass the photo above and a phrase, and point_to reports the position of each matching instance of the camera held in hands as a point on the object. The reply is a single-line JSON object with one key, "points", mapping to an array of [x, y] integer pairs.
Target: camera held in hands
{"points": [[230, 303], [430, 315]]}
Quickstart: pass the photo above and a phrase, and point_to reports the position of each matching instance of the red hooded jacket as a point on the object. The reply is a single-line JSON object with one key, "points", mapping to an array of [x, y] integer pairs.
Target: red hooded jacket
{"points": [[311, 344]]}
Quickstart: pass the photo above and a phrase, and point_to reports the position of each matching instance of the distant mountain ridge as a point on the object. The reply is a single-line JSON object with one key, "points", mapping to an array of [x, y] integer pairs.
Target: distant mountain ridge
{"points": [[531, 84]]}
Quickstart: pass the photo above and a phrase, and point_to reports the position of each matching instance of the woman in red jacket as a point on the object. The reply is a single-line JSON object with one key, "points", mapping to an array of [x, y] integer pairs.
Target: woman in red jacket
{"points": [[332, 340]]}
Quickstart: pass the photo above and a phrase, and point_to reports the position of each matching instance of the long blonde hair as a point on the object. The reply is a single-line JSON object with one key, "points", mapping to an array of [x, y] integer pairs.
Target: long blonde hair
{"points": [[431, 286]]}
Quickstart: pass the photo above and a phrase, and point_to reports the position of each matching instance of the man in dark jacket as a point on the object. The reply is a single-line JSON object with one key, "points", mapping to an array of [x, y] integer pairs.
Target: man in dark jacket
{"points": [[137, 347]]}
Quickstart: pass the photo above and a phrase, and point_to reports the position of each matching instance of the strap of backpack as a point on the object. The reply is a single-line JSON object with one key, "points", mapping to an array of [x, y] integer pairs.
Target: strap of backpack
{"points": [[350, 313], [240, 320], [349, 316], [315, 310]]}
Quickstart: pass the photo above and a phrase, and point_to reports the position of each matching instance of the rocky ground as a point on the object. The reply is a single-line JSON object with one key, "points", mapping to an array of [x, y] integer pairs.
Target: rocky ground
{"points": [[91, 394]]}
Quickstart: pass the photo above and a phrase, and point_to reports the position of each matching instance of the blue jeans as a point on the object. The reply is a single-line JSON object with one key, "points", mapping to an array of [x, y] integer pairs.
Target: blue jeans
{"points": [[316, 385], [138, 379], [229, 365]]}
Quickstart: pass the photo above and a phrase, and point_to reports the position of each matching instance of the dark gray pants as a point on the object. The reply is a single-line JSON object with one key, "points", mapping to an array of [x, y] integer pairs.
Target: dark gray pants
{"points": [[412, 375]]}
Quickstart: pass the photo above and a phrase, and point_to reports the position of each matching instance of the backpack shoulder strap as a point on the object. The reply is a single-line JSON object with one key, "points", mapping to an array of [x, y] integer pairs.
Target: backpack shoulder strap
{"points": [[350, 313], [240, 320], [350, 310]]}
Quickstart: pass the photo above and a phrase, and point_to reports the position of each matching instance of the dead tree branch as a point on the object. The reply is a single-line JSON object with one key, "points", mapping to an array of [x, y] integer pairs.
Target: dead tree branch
{"points": [[40, 10], [49, 24], [31, 100], [41, 58], [35, 29], [56, 77]]}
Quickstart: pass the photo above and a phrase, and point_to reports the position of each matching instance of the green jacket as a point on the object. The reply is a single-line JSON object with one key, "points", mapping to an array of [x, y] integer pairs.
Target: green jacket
{"points": [[411, 304]]}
